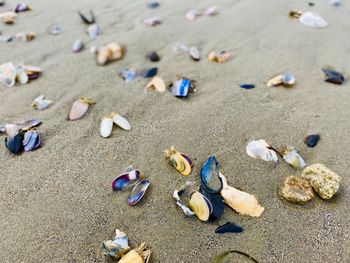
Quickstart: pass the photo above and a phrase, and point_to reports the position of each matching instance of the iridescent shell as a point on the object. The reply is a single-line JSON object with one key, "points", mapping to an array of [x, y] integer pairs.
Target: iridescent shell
{"points": [[310, 19], [126, 179], [229, 228], [181, 162], [93, 31], [13, 141], [181, 88], [8, 74], [40, 103], [333, 76], [138, 192], [21, 7], [149, 73], [31, 140], [217, 202], [152, 21], [293, 158], [210, 179], [178, 193], [78, 45], [195, 54]]}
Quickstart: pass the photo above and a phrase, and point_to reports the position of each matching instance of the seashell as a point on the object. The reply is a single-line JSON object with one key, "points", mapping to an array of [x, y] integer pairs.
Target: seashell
{"points": [[210, 179], [12, 129], [4, 39], [13, 141], [288, 80], [181, 162], [126, 179], [25, 36], [2, 2], [149, 73], [55, 30], [93, 50], [217, 202], [293, 158], [33, 72], [195, 54], [31, 140], [334, 2], [152, 5], [222, 57], [8, 17], [117, 247], [21, 76], [312, 140], [229, 227], [138, 192], [21, 7], [152, 21], [260, 149], [247, 86], [138, 255], [106, 127], [200, 206], [156, 83], [93, 31], [79, 108], [8, 74], [241, 202], [275, 81], [29, 124], [109, 52], [78, 46], [85, 20], [310, 19], [181, 47], [128, 74], [40, 103], [154, 57], [211, 11], [176, 195], [333, 76], [120, 121], [192, 14], [181, 88]]}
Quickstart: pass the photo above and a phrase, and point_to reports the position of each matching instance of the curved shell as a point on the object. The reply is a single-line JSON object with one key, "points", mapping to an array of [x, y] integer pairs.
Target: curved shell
{"points": [[14, 144], [217, 202], [8, 74], [176, 195], [78, 45], [120, 121], [275, 81], [138, 192], [293, 158], [109, 52], [149, 73], [210, 179], [106, 127], [288, 79], [156, 83], [192, 14], [200, 205], [40, 103], [79, 108], [31, 140], [126, 179], [93, 30], [12, 129], [181, 162]]}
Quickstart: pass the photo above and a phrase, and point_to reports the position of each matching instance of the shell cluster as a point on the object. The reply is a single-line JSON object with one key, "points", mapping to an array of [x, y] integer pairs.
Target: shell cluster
{"points": [[10, 74]]}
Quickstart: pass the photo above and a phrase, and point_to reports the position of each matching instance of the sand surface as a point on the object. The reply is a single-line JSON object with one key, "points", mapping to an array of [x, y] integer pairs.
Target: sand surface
{"points": [[56, 203]]}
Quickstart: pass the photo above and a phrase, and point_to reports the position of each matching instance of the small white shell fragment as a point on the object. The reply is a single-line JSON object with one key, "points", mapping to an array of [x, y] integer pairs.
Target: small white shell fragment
{"points": [[293, 158], [93, 31], [195, 54], [12, 130], [334, 2], [259, 149], [78, 45], [152, 21], [106, 127], [40, 103], [211, 11], [22, 76], [120, 121], [8, 74], [192, 14], [310, 19]]}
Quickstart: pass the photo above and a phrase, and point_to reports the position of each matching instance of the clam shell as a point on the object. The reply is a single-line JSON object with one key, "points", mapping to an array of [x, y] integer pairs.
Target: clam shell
{"points": [[40, 103], [25, 36], [229, 228], [200, 205], [312, 140], [14, 144], [78, 45], [210, 179], [217, 202], [79, 108], [8, 74], [120, 121], [31, 140], [181, 162], [125, 179], [128, 74], [21, 7], [288, 79], [110, 52], [156, 83], [310, 19], [22, 76], [333, 76], [293, 158], [29, 124], [195, 54], [138, 192], [260, 149], [222, 57], [192, 14], [106, 127], [211, 11]]}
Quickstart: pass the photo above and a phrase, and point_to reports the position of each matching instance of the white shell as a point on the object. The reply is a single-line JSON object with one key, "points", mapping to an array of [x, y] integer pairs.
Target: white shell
{"points": [[211, 11], [22, 75], [194, 53], [312, 20], [106, 127], [152, 21], [192, 14], [258, 149], [94, 30], [40, 103], [78, 45], [8, 74], [12, 130], [120, 121]]}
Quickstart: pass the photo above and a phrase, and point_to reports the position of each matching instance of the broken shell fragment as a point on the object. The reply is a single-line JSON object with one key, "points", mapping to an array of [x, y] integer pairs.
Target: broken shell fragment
{"points": [[78, 45], [8, 74], [293, 158], [55, 30], [297, 190], [32, 72], [157, 84], [138, 255], [106, 127], [229, 227], [211, 11], [4, 39], [138, 192], [152, 5], [25, 36], [176, 195], [210, 178], [260, 149], [222, 57], [152, 21], [120, 121], [109, 52], [8, 17], [40, 103], [286, 80], [217, 202], [195, 54], [23, 125], [247, 86], [86, 20], [117, 247], [241, 202], [200, 205], [181, 162], [128, 74], [21, 7], [93, 30], [13, 141], [126, 179], [192, 14], [79, 108], [333, 76], [310, 19], [181, 88], [149, 73], [312, 140], [31, 140]]}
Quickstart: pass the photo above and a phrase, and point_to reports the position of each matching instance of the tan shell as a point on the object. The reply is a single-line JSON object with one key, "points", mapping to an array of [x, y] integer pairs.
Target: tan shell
{"points": [[137, 255], [219, 58], [275, 81], [109, 52], [156, 83], [199, 206], [241, 202]]}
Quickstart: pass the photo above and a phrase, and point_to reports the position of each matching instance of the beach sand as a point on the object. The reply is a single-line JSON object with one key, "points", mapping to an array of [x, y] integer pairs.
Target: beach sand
{"points": [[57, 204]]}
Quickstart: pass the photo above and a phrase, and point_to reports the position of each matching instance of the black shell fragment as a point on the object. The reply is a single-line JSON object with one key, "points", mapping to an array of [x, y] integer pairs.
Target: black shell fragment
{"points": [[333, 76], [247, 86], [229, 228], [312, 140], [85, 20], [150, 73], [15, 144], [154, 57], [217, 202]]}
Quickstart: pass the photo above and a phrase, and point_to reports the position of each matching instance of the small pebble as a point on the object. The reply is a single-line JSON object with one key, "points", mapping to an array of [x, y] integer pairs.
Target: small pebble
{"points": [[154, 57], [312, 140]]}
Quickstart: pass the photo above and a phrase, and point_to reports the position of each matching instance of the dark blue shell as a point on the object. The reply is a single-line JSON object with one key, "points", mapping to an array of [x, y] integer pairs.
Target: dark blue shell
{"points": [[312, 140], [229, 228], [138, 192], [217, 203], [150, 73], [14, 144], [333, 76], [152, 5], [210, 179], [247, 86], [126, 179]]}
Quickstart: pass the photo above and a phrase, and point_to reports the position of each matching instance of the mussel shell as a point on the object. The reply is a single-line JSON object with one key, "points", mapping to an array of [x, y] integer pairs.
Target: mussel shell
{"points": [[312, 140], [21, 7], [195, 54], [188, 158], [333, 76], [152, 5], [247, 86], [126, 179], [14, 144], [31, 140], [217, 202], [229, 227], [27, 125], [106, 127], [210, 179], [150, 73], [181, 88], [138, 192]]}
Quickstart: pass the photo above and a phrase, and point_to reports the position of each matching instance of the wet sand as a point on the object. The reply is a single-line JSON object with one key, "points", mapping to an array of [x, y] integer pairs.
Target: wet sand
{"points": [[56, 202]]}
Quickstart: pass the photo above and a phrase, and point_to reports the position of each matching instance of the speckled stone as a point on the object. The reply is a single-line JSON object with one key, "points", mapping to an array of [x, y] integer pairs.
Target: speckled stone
{"points": [[324, 181], [297, 190]]}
